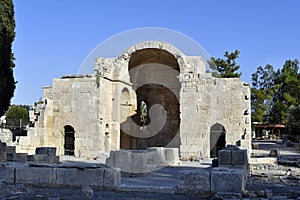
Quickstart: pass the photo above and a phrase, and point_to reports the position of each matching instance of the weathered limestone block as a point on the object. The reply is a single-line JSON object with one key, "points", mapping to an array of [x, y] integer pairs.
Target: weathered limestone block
{"points": [[45, 154], [195, 182], [142, 161], [3, 152], [77, 177], [111, 178], [50, 151], [120, 159], [21, 156], [11, 149], [45, 158], [11, 157], [7, 174], [3, 147], [224, 157], [100, 178], [231, 155], [156, 156], [227, 180], [3, 156], [138, 162], [172, 156], [42, 176], [239, 157]]}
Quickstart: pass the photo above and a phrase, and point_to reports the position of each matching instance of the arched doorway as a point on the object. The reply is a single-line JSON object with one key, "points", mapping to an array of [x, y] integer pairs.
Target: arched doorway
{"points": [[69, 144], [124, 113], [217, 139], [154, 75]]}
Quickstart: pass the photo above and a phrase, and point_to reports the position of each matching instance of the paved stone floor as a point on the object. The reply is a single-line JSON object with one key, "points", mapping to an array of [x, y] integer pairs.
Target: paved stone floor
{"points": [[33, 193]]}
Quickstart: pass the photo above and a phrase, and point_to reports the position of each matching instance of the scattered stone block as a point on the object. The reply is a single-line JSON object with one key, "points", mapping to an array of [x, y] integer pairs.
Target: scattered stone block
{"points": [[77, 177], [99, 178], [229, 180], [3, 147], [239, 157], [11, 157], [269, 194], [224, 157], [42, 176], [50, 151], [142, 161], [7, 175], [261, 193], [11, 149], [111, 178], [274, 153], [3, 156], [195, 182]]}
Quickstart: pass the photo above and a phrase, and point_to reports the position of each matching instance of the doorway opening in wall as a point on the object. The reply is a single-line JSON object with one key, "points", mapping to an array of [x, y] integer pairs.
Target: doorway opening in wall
{"points": [[69, 140], [217, 139]]}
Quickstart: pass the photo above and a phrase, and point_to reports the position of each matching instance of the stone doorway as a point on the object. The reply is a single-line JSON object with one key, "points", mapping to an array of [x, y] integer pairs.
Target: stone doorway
{"points": [[69, 144], [217, 139]]}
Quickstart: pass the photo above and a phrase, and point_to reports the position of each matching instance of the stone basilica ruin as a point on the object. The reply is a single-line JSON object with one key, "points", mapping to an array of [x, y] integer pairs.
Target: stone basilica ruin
{"points": [[184, 107]]}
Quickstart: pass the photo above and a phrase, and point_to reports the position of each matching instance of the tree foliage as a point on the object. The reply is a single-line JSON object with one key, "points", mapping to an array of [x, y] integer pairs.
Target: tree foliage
{"points": [[262, 92], [276, 95], [294, 120], [7, 35], [225, 68], [288, 94], [15, 113]]}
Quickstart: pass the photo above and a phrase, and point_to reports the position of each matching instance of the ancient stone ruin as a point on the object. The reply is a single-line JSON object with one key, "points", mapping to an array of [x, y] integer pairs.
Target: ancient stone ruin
{"points": [[88, 115]]}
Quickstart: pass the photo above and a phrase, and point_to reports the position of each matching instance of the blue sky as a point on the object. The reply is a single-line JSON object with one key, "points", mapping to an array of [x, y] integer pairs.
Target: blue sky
{"points": [[53, 37]]}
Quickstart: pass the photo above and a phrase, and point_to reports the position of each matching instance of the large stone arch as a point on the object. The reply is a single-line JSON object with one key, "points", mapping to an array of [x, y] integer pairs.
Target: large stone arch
{"points": [[163, 62]]}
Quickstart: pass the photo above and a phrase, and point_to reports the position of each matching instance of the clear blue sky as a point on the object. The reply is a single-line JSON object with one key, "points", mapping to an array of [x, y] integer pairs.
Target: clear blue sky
{"points": [[53, 37]]}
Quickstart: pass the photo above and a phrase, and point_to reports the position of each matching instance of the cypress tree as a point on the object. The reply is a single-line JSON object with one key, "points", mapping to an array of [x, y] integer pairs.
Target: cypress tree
{"points": [[7, 35]]}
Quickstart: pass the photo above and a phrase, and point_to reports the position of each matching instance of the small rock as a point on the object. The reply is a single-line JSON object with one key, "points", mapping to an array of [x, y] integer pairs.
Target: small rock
{"points": [[261, 193], [252, 195], [269, 194], [245, 193], [274, 153], [88, 191]]}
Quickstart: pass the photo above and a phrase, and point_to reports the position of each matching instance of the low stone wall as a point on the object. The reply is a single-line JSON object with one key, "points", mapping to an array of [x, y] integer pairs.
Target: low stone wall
{"points": [[228, 178], [42, 154], [143, 161], [56, 176]]}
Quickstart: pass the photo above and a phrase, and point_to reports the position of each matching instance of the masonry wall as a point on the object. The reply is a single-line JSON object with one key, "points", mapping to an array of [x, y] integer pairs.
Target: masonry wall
{"points": [[97, 105], [206, 101]]}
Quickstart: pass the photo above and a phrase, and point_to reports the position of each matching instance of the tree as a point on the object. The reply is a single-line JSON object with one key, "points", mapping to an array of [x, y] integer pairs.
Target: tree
{"points": [[288, 94], [7, 35], [262, 92], [15, 113], [293, 124], [225, 68]]}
